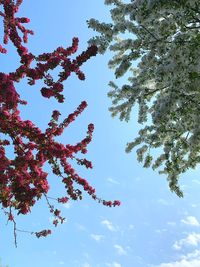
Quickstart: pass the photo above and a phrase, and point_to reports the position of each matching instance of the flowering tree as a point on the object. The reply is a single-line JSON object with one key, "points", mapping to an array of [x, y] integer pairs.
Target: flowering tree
{"points": [[23, 180], [157, 44]]}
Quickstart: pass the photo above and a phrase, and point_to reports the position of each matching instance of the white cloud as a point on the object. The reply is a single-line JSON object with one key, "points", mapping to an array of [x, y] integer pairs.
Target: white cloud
{"points": [[61, 263], [192, 239], [131, 227], [163, 202], [112, 181], [138, 179], [109, 225], [196, 181], [97, 237], [181, 263], [80, 227], [190, 220], [86, 264], [188, 260], [172, 223], [194, 205], [193, 255], [120, 250], [67, 205], [160, 231], [114, 264]]}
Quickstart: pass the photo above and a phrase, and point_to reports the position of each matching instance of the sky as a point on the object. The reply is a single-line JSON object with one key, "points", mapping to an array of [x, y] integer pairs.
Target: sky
{"points": [[152, 227]]}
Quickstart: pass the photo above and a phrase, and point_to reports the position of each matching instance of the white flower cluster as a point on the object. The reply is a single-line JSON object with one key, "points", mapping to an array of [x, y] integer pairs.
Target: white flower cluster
{"points": [[163, 37]]}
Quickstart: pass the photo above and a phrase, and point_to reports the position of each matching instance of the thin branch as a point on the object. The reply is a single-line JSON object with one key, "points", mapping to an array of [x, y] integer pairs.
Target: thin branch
{"points": [[157, 39], [15, 234], [2, 14], [25, 231]]}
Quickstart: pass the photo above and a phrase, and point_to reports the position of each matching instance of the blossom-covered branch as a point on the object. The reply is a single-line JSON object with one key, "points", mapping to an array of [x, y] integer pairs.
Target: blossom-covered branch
{"points": [[157, 44], [23, 180]]}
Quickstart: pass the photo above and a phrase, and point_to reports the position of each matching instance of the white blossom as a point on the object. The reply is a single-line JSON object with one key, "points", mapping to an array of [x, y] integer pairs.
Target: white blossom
{"points": [[161, 40]]}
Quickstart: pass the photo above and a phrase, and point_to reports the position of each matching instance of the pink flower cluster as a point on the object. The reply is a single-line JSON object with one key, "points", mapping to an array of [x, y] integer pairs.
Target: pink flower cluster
{"points": [[22, 179]]}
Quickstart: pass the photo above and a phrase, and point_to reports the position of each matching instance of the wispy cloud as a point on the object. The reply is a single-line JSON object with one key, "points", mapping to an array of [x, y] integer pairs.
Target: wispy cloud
{"points": [[97, 237], [188, 260], [137, 179], [114, 264], [192, 239], [120, 250], [86, 264], [196, 181], [190, 220], [172, 223], [160, 231], [67, 205], [109, 225], [194, 205], [131, 227], [164, 202], [112, 181], [193, 255], [80, 227], [61, 262], [181, 263]]}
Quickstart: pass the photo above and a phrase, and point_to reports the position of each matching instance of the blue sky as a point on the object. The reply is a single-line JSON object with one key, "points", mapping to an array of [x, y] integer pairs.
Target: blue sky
{"points": [[152, 227]]}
